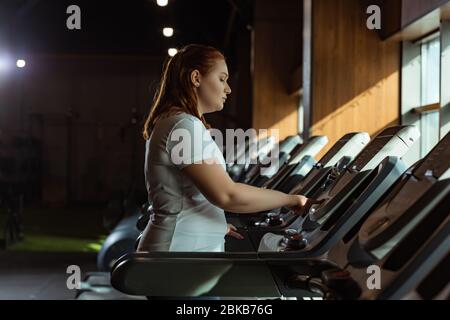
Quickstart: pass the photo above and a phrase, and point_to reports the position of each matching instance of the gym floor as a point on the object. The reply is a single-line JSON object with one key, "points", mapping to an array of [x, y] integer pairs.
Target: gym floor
{"points": [[40, 275], [55, 238]]}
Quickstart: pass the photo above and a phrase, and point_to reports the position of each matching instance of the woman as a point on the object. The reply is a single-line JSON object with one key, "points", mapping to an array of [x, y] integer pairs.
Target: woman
{"points": [[190, 190]]}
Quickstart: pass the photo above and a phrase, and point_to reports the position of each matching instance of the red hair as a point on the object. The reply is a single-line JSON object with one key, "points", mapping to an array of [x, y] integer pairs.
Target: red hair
{"points": [[176, 89]]}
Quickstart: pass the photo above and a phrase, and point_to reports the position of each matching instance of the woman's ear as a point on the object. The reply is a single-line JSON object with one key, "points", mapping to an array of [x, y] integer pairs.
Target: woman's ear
{"points": [[196, 78]]}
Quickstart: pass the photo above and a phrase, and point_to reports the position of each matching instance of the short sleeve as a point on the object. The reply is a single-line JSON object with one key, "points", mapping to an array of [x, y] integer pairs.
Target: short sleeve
{"points": [[190, 142]]}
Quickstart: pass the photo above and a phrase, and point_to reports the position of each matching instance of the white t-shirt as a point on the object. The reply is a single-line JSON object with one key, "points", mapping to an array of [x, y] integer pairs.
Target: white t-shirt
{"points": [[183, 219]]}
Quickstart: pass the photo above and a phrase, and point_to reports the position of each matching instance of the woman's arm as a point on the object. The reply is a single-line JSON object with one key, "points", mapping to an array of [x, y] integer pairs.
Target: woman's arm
{"points": [[216, 185]]}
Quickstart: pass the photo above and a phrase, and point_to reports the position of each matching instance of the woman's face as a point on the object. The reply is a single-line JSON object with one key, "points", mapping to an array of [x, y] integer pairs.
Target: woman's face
{"points": [[212, 89]]}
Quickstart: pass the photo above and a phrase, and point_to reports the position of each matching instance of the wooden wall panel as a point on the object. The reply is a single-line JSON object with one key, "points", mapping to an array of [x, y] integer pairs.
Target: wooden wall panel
{"points": [[391, 15], [277, 54], [355, 76]]}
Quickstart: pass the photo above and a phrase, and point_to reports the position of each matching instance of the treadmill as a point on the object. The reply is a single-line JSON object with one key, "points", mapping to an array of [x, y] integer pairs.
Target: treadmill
{"points": [[411, 259], [432, 287], [407, 237], [283, 149], [265, 176], [298, 182], [346, 197], [289, 165], [245, 154], [416, 220], [339, 156]]}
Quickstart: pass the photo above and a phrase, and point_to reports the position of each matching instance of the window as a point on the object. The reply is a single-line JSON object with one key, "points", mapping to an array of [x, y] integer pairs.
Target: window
{"points": [[421, 92], [430, 94]]}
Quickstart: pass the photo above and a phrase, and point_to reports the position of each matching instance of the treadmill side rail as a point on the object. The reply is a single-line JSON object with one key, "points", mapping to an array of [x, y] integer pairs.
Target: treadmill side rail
{"points": [[193, 274]]}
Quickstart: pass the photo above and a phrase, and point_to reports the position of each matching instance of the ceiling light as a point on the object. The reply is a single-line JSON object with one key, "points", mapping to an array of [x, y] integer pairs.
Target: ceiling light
{"points": [[20, 63], [168, 32], [172, 52], [162, 3]]}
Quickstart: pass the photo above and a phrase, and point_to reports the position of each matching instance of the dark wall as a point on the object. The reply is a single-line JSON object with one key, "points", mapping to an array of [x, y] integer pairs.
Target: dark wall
{"points": [[86, 113]]}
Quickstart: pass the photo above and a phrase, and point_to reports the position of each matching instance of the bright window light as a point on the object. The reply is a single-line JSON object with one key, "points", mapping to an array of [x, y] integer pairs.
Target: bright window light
{"points": [[3, 63], [168, 32], [172, 52], [6, 62], [20, 63], [162, 3]]}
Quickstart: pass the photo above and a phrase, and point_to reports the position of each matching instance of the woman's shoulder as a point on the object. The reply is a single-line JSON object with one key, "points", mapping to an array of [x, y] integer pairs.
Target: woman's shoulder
{"points": [[176, 113], [186, 116], [179, 120]]}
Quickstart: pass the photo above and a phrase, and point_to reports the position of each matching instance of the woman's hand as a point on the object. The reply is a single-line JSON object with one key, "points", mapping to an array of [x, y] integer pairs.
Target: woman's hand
{"points": [[302, 204], [232, 232]]}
